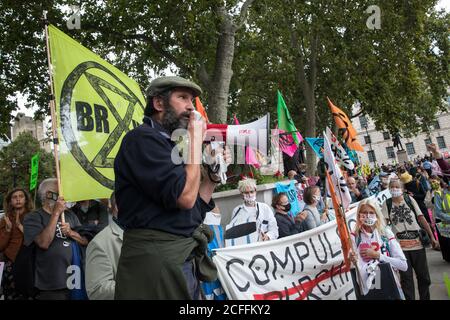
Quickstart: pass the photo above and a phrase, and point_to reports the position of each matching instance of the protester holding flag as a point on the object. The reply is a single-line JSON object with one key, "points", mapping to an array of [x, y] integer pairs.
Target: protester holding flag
{"points": [[53, 238], [162, 199], [375, 244], [17, 204]]}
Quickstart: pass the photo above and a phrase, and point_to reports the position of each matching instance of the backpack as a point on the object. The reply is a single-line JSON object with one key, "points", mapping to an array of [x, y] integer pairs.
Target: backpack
{"points": [[424, 238], [24, 269]]}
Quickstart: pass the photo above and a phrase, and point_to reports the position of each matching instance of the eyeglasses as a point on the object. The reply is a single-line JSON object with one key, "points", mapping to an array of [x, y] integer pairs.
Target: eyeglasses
{"points": [[366, 214], [52, 195]]}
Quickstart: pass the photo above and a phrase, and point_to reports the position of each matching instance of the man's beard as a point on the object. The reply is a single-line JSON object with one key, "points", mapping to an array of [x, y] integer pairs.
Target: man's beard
{"points": [[171, 121]]}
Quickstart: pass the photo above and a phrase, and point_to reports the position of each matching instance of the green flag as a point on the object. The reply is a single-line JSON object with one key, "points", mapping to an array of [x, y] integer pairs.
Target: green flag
{"points": [[285, 121], [34, 171]]}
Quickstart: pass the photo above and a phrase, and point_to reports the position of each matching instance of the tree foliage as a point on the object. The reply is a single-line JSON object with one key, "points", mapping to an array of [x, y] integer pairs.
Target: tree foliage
{"points": [[307, 49], [22, 149]]}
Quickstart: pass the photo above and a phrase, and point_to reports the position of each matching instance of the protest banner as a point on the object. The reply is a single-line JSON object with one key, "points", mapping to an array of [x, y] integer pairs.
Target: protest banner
{"points": [[317, 145], [34, 171], [292, 195], [2, 266], [96, 105], [339, 152], [309, 265]]}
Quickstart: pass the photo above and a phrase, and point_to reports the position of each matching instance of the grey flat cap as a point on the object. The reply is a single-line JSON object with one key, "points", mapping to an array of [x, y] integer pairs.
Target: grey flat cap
{"points": [[159, 85]]}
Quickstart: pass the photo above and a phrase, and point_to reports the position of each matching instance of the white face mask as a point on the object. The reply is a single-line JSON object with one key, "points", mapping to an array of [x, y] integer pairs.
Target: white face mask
{"points": [[396, 192], [370, 221], [70, 204], [84, 208], [316, 198], [250, 199]]}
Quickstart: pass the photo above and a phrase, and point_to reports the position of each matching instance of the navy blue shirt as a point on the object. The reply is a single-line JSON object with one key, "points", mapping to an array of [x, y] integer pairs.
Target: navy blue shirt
{"points": [[148, 183]]}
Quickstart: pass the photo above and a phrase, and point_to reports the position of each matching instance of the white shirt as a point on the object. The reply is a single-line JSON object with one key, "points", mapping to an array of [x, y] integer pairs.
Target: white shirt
{"points": [[265, 220]]}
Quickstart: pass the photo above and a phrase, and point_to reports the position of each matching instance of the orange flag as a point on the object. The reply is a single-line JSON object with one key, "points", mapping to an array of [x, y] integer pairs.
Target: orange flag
{"points": [[343, 122], [344, 234], [199, 107]]}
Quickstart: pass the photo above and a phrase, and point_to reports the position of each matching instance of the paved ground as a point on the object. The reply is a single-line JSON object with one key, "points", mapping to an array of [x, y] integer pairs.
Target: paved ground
{"points": [[437, 266]]}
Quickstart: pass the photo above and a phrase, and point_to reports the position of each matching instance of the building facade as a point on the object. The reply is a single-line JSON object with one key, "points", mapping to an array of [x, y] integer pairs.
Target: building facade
{"points": [[23, 123], [379, 147]]}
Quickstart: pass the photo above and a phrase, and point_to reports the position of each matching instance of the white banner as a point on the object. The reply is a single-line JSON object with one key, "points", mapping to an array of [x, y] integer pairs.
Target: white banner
{"points": [[339, 152], [340, 185], [309, 265], [383, 196], [2, 266]]}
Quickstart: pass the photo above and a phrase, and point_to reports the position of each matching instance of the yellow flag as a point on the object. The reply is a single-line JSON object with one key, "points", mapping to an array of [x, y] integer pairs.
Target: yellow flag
{"points": [[96, 105]]}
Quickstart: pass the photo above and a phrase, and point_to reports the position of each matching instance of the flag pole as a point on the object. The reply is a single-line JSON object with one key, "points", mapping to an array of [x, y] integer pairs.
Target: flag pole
{"points": [[340, 210], [53, 112]]}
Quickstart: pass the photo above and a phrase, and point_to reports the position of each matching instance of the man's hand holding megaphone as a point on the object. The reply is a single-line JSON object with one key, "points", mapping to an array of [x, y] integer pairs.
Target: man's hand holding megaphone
{"points": [[216, 156]]}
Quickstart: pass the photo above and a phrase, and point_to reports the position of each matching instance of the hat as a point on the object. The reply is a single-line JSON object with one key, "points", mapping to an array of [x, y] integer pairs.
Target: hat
{"points": [[162, 84], [384, 174], [406, 177]]}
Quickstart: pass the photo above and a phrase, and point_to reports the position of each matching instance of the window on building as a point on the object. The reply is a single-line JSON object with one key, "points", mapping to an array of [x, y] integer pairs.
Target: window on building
{"points": [[386, 136], [436, 125], [390, 152], [371, 155], [428, 141], [367, 139], [441, 142], [363, 121], [410, 148]]}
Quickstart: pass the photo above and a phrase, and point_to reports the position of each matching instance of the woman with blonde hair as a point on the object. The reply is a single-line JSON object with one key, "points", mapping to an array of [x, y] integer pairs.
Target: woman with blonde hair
{"points": [[251, 221], [375, 244]]}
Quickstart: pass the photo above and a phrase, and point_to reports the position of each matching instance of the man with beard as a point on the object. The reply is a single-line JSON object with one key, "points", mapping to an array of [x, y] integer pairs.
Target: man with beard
{"points": [[53, 240], [162, 202]]}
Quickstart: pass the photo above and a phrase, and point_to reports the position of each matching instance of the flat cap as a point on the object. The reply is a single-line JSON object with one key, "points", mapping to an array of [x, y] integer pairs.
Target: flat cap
{"points": [[159, 85]]}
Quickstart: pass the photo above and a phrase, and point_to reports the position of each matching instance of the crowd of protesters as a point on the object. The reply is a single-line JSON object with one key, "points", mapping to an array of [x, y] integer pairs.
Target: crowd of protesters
{"points": [[416, 189], [420, 200]]}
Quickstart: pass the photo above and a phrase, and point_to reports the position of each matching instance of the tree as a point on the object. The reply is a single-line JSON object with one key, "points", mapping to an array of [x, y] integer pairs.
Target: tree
{"points": [[22, 149], [314, 49], [195, 37], [307, 49]]}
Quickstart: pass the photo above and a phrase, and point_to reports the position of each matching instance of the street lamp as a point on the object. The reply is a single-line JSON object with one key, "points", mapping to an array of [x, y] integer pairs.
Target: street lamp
{"points": [[14, 166], [370, 140]]}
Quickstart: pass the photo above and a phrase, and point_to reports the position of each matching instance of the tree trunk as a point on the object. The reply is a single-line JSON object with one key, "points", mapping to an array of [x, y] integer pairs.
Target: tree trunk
{"points": [[219, 86], [308, 86]]}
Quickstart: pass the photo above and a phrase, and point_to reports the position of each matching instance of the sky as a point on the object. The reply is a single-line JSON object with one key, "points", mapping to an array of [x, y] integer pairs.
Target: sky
{"points": [[30, 112]]}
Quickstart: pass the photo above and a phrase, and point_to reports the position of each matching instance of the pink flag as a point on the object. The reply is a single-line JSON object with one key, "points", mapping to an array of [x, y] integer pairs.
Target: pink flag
{"points": [[250, 157], [287, 143]]}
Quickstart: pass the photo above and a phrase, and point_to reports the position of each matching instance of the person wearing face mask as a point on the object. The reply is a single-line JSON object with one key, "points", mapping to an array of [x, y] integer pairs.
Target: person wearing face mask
{"points": [[406, 219], [251, 221], [287, 225], [374, 244], [91, 213], [442, 214], [314, 218]]}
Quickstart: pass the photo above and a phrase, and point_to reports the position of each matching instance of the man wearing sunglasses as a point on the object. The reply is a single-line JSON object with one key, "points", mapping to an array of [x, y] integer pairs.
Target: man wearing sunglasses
{"points": [[53, 239]]}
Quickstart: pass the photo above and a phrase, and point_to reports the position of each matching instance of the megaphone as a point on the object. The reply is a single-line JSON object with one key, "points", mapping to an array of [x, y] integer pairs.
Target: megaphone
{"points": [[254, 134]]}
